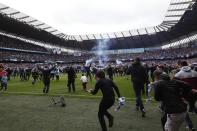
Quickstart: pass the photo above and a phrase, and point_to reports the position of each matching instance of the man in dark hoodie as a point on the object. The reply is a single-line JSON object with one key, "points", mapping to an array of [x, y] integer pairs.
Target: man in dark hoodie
{"points": [[172, 94], [71, 79], [139, 78], [189, 76], [88, 71], [110, 72]]}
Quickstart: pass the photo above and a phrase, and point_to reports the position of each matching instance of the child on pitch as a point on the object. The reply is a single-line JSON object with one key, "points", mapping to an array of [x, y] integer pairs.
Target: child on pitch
{"points": [[3, 78], [84, 81], [107, 88]]}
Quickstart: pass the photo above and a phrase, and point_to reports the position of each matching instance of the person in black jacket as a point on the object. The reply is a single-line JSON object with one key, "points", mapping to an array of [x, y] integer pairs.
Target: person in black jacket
{"points": [[110, 72], [172, 94], [35, 75], [139, 78], [107, 88], [46, 75], [88, 71], [152, 69], [71, 79]]}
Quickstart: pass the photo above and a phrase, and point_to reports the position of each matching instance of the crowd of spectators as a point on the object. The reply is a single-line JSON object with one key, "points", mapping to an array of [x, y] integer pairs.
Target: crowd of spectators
{"points": [[170, 54], [175, 53], [6, 42], [35, 57]]}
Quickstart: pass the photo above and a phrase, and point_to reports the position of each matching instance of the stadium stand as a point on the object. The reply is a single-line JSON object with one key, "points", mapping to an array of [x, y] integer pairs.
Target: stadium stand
{"points": [[12, 43], [174, 28], [168, 54], [180, 21], [32, 48]]}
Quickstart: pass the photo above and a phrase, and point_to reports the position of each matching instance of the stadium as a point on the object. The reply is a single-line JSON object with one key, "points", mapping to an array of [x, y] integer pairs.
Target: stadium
{"points": [[34, 54]]}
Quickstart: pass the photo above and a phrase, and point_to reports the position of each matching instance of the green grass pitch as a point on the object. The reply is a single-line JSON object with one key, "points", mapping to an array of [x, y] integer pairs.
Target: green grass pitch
{"points": [[60, 87], [23, 107]]}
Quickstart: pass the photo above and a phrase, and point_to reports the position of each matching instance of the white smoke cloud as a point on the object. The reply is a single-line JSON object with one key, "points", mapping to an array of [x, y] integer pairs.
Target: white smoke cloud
{"points": [[88, 62], [101, 46], [101, 56], [118, 62]]}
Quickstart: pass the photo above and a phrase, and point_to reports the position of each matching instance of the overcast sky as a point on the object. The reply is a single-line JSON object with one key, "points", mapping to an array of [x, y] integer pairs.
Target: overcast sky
{"points": [[74, 17]]}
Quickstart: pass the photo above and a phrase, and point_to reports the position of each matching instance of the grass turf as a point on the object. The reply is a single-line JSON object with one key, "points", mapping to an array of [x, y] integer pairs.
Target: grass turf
{"points": [[60, 87], [34, 113]]}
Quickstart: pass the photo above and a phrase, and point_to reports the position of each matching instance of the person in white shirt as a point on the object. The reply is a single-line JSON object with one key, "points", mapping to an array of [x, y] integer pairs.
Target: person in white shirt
{"points": [[84, 81]]}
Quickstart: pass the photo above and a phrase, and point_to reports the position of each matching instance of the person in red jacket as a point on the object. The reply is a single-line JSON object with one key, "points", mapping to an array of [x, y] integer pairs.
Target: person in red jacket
{"points": [[3, 78]]}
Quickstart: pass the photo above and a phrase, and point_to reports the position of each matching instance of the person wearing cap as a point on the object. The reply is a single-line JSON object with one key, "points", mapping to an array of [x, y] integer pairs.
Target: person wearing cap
{"points": [[107, 88]]}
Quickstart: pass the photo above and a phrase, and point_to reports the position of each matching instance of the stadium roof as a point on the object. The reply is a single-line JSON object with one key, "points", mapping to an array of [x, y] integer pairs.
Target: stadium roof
{"points": [[179, 22], [175, 11], [30, 20]]}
